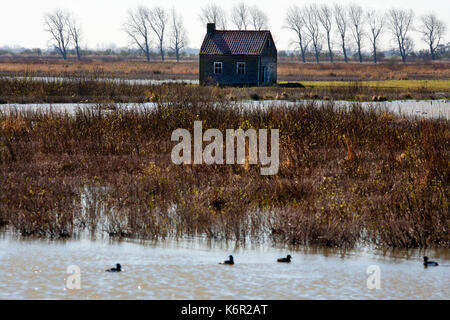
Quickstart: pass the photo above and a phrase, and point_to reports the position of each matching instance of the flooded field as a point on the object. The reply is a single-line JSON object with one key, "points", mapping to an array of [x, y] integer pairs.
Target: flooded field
{"points": [[116, 80], [189, 269], [436, 109]]}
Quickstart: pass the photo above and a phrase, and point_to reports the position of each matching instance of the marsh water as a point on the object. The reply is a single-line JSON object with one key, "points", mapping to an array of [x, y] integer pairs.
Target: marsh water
{"points": [[189, 269], [435, 109], [116, 80]]}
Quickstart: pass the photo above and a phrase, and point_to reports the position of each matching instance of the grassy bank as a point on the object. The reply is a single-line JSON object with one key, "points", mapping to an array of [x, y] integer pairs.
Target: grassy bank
{"points": [[27, 90], [346, 176], [431, 85]]}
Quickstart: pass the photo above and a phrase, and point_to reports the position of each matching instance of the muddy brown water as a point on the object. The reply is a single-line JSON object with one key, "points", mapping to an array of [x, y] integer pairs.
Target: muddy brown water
{"points": [[189, 269]]}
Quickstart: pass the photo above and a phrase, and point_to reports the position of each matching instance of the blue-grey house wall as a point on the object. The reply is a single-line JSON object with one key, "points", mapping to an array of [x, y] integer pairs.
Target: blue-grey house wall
{"points": [[229, 75]]}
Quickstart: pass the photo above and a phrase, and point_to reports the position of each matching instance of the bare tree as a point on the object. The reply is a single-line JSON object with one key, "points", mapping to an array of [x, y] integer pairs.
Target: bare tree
{"points": [[57, 24], [400, 23], [409, 46], [75, 33], [240, 15], [326, 19], [311, 21], [433, 31], [138, 29], [376, 23], [357, 26], [295, 22], [340, 16], [258, 19], [178, 39], [158, 22], [214, 14]]}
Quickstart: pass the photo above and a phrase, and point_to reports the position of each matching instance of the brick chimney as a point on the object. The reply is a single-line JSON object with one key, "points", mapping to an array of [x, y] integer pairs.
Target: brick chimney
{"points": [[210, 28]]}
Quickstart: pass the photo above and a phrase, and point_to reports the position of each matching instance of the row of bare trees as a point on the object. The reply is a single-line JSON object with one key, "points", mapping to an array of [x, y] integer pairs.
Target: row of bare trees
{"points": [[142, 21], [313, 25], [140, 24], [64, 30], [242, 17]]}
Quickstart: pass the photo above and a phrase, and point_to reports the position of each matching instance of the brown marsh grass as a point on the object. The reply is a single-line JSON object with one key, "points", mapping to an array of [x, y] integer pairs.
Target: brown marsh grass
{"points": [[293, 70], [83, 90], [288, 69], [134, 69], [346, 176]]}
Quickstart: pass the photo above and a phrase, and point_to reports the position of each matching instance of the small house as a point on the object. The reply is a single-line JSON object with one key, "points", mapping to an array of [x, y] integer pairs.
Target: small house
{"points": [[237, 57]]}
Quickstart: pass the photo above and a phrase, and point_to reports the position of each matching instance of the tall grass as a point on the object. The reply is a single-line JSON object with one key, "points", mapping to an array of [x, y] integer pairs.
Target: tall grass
{"points": [[347, 176], [84, 90]]}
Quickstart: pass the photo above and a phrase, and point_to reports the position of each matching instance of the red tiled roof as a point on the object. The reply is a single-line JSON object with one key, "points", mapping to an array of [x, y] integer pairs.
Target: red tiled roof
{"points": [[234, 42]]}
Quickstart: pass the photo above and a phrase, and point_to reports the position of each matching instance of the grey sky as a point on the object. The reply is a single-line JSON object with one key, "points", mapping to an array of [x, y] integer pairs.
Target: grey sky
{"points": [[21, 21]]}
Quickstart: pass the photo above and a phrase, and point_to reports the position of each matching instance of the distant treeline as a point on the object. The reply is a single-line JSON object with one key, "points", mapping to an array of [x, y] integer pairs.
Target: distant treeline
{"points": [[113, 52], [443, 54], [319, 32]]}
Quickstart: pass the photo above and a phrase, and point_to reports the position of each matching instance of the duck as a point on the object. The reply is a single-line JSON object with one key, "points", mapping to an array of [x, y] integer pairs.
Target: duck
{"points": [[118, 268], [230, 261], [287, 259], [427, 263]]}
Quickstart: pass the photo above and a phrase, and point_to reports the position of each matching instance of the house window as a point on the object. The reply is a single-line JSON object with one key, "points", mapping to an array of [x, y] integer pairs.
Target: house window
{"points": [[269, 43], [240, 68], [217, 67]]}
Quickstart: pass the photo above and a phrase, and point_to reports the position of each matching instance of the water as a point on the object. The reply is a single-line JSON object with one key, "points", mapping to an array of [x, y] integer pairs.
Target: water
{"points": [[436, 109], [117, 80], [189, 269]]}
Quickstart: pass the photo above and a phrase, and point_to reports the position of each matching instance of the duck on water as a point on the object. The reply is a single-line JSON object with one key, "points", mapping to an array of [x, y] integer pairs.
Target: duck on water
{"points": [[118, 268], [287, 259], [230, 261], [427, 263]]}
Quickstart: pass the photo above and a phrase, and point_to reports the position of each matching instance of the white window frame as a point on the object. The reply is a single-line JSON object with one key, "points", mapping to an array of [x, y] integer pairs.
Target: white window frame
{"points": [[237, 68], [218, 65]]}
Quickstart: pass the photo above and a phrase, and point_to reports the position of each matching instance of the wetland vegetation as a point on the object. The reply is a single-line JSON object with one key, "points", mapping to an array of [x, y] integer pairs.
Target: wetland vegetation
{"points": [[347, 176]]}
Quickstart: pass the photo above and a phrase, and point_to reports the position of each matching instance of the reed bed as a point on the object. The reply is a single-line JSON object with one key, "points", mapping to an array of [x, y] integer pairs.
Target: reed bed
{"points": [[83, 90], [347, 176]]}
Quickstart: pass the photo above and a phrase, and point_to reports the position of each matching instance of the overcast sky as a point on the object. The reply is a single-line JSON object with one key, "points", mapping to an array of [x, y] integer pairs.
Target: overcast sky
{"points": [[21, 21]]}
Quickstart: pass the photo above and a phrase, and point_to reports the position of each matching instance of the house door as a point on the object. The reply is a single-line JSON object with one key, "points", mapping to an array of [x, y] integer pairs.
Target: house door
{"points": [[263, 74]]}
